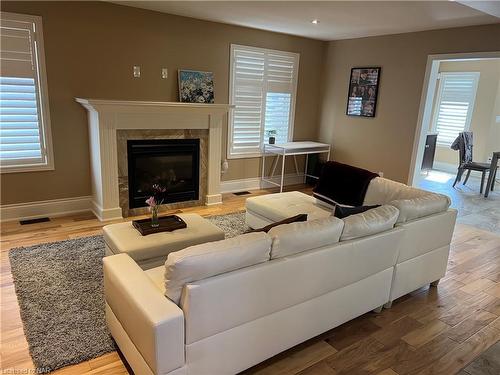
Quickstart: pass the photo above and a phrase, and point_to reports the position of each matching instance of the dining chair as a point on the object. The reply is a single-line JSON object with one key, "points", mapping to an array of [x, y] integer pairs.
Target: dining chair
{"points": [[464, 144]]}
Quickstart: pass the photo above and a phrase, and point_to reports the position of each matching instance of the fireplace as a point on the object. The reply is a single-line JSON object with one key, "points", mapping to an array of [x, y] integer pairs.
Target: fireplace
{"points": [[113, 122], [172, 163]]}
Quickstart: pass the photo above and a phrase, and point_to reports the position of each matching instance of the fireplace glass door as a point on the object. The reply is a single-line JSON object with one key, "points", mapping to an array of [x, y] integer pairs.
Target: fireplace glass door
{"points": [[170, 163]]}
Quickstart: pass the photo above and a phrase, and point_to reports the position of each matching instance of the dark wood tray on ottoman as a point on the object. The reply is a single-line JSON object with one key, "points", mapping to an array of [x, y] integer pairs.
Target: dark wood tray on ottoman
{"points": [[167, 224]]}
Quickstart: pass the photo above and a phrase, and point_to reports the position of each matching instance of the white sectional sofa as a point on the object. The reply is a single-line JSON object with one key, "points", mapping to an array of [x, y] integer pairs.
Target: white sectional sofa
{"points": [[426, 218], [222, 307]]}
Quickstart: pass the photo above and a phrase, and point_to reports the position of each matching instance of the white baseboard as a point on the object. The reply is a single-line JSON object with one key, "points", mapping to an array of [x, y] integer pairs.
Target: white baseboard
{"points": [[67, 206], [50, 208], [213, 199], [105, 214], [255, 183]]}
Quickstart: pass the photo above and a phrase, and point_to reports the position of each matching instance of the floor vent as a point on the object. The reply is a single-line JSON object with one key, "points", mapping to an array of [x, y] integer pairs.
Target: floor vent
{"points": [[34, 221], [242, 193]]}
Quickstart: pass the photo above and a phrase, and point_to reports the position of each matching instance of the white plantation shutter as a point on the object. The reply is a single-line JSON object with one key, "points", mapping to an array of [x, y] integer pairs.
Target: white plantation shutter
{"points": [[248, 68], [455, 104], [262, 88], [22, 134]]}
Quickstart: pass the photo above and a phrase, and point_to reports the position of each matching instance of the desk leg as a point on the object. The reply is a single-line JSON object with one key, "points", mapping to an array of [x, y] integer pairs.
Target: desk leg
{"points": [[263, 167], [274, 165], [296, 166], [282, 172], [305, 170]]}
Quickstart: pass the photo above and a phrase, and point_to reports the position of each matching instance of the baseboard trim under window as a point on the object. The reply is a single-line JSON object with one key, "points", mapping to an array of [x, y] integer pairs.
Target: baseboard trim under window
{"points": [[41, 209]]}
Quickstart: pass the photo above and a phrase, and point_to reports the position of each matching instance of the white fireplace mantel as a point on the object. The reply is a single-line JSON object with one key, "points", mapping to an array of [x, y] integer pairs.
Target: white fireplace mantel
{"points": [[105, 117]]}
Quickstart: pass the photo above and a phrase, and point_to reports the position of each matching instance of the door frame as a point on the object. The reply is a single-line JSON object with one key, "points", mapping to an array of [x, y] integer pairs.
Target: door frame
{"points": [[427, 101]]}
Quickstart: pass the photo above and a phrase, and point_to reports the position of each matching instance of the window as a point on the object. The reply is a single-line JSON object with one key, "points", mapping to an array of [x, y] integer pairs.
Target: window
{"points": [[25, 143], [454, 105], [263, 86]]}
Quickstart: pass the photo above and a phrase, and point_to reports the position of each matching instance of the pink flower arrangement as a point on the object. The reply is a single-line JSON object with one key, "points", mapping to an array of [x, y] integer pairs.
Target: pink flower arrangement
{"points": [[151, 201], [157, 198]]}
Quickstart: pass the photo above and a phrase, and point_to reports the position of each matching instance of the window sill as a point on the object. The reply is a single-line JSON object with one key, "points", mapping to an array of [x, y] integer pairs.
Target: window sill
{"points": [[26, 168], [244, 156]]}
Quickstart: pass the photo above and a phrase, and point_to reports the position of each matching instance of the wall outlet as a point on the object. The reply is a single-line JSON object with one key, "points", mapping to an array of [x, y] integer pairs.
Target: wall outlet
{"points": [[137, 71], [381, 174], [164, 73]]}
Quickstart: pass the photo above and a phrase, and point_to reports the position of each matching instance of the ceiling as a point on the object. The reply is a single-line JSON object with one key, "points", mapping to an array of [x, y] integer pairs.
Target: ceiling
{"points": [[337, 19]]}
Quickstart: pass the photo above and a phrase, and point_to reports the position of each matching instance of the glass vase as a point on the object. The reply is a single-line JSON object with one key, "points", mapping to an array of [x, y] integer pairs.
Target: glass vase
{"points": [[154, 217]]}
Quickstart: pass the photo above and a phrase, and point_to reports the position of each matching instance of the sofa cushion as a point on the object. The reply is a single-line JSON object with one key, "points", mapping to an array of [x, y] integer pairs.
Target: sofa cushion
{"points": [[293, 219], [342, 212], [369, 222], [279, 206], [289, 239], [213, 258], [382, 191], [413, 203], [425, 205]]}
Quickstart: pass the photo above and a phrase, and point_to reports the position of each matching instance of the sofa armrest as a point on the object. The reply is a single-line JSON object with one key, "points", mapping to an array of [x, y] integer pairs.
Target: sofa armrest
{"points": [[154, 324]]}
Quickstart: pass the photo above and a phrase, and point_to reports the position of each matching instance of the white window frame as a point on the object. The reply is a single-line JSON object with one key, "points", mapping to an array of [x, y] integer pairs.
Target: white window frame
{"points": [[263, 114], [42, 95], [440, 89]]}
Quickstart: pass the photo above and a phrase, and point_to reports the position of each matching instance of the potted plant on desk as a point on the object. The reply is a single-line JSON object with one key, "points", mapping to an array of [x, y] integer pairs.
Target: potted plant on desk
{"points": [[272, 136]]}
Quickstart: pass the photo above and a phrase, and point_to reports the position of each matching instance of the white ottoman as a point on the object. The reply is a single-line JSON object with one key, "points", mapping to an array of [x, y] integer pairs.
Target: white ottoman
{"points": [[270, 208], [152, 250]]}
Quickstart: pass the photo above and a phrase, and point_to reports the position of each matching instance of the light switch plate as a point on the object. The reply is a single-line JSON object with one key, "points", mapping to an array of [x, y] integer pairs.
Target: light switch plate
{"points": [[164, 73], [137, 71]]}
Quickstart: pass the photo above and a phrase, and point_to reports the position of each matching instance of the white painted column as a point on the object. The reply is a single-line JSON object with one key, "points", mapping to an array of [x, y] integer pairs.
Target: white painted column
{"points": [[214, 195]]}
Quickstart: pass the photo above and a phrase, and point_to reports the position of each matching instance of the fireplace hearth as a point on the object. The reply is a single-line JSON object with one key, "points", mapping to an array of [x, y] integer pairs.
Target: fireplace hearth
{"points": [[171, 163]]}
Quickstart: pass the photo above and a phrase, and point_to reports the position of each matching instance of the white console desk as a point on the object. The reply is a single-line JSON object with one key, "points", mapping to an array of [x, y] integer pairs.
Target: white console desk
{"points": [[291, 149]]}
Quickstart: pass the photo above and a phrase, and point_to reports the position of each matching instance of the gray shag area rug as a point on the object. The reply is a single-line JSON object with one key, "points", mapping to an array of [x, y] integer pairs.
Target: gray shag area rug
{"points": [[231, 224], [59, 288]]}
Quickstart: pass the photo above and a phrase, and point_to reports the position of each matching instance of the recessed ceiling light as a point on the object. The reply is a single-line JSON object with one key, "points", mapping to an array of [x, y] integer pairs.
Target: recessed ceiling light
{"points": [[315, 22]]}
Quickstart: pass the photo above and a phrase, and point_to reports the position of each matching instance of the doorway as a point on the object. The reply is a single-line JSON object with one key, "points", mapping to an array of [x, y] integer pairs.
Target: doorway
{"points": [[461, 93]]}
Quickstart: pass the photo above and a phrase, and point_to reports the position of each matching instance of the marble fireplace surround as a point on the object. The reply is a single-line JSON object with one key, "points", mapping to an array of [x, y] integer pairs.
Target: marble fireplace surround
{"points": [[106, 117], [124, 135]]}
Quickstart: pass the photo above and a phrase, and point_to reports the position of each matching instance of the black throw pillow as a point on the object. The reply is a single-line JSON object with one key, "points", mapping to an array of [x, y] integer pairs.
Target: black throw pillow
{"points": [[342, 211], [293, 219]]}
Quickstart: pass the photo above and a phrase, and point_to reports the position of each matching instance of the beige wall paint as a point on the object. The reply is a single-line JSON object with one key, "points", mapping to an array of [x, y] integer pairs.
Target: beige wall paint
{"points": [[494, 141], [385, 143], [484, 106], [90, 49]]}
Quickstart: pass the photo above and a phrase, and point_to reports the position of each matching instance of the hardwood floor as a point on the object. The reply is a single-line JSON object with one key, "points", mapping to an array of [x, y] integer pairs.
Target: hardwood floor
{"points": [[430, 331]]}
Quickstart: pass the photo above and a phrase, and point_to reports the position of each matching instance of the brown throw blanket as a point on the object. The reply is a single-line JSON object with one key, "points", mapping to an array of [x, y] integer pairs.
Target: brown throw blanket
{"points": [[343, 184]]}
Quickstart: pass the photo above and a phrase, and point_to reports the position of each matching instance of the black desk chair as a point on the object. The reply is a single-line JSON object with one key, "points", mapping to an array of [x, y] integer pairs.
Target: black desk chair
{"points": [[463, 143]]}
